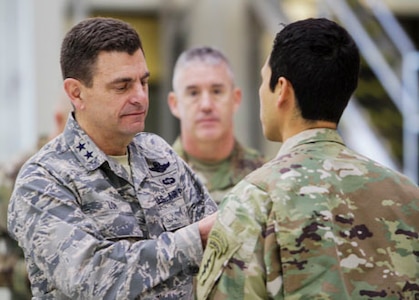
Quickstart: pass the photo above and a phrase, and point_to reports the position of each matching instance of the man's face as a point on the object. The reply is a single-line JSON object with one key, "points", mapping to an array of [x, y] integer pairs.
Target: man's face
{"points": [[268, 111], [116, 105], [206, 100]]}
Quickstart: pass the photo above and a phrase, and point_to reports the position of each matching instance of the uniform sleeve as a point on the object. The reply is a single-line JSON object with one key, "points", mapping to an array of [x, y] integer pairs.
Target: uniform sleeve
{"points": [[241, 259], [64, 245]]}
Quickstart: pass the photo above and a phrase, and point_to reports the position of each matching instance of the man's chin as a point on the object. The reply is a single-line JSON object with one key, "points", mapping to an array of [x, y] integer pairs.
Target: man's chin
{"points": [[209, 135], [135, 128]]}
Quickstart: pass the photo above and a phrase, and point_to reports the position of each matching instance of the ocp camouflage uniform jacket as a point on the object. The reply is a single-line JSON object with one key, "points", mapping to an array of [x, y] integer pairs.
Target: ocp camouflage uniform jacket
{"points": [[221, 177], [89, 231], [317, 222]]}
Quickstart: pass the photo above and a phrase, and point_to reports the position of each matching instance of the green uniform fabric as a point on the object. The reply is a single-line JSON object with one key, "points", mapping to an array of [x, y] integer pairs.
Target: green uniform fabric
{"points": [[13, 274], [221, 177], [319, 221]]}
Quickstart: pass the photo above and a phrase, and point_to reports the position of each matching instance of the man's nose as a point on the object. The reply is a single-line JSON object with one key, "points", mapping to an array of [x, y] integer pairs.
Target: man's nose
{"points": [[140, 93], [206, 100]]}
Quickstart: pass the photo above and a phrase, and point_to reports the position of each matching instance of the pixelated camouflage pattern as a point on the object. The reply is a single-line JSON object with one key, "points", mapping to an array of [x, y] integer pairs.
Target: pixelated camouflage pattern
{"points": [[90, 231], [319, 221], [220, 178]]}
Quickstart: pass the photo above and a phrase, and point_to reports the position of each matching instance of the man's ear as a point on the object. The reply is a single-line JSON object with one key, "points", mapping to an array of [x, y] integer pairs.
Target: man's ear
{"points": [[73, 89], [172, 101], [285, 92], [237, 94]]}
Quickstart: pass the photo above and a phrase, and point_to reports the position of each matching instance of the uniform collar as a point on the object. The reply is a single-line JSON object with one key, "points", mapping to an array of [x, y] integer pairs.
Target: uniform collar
{"points": [[237, 151], [310, 136], [82, 145]]}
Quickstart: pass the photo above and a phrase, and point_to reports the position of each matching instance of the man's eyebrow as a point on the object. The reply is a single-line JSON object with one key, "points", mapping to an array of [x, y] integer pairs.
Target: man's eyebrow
{"points": [[128, 79], [218, 85], [146, 75], [120, 80]]}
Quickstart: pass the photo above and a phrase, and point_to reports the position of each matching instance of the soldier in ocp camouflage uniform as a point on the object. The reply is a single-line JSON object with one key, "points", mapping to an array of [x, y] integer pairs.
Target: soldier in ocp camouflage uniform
{"points": [[319, 221], [103, 211], [13, 275], [220, 177], [204, 99]]}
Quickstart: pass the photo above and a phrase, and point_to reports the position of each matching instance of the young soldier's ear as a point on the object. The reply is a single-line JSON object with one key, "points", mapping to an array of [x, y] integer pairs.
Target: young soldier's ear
{"points": [[172, 101], [285, 91]]}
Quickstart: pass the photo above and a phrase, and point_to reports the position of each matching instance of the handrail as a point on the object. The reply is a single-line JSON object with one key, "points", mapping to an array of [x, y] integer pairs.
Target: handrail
{"points": [[269, 13], [411, 115], [401, 89], [391, 26], [369, 50]]}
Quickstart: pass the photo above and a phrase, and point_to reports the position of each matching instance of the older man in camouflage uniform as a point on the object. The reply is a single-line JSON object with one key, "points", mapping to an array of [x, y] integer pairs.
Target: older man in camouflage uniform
{"points": [[204, 99], [104, 211], [319, 221]]}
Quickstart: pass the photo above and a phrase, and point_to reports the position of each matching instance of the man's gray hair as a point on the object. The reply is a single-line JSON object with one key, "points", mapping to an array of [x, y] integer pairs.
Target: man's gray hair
{"points": [[205, 54]]}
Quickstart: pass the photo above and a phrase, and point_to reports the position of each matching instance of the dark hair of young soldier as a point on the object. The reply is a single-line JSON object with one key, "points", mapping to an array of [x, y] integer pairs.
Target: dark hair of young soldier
{"points": [[321, 60]]}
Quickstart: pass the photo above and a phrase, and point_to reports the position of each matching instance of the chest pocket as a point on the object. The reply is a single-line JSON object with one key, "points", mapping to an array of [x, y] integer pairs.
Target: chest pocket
{"points": [[167, 195], [172, 207], [114, 216]]}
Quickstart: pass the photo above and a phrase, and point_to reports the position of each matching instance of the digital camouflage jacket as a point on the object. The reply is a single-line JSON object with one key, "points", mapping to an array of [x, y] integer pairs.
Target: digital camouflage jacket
{"points": [[89, 230]]}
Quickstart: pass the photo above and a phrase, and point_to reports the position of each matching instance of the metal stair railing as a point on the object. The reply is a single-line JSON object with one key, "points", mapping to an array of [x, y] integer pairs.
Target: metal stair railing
{"points": [[411, 115], [270, 13], [401, 88], [369, 49]]}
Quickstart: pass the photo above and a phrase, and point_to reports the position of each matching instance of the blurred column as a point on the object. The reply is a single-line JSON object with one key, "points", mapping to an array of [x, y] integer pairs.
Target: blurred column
{"points": [[17, 99], [48, 29], [171, 12]]}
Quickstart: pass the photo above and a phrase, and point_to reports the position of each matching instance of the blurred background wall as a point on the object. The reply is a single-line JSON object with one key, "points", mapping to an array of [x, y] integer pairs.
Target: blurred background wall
{"points": [[382, 121]]}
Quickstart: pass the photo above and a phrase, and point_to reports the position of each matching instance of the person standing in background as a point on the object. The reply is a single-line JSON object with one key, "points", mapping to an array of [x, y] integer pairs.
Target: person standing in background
{"points": [[319, 221], [14, 283], [13, 275], [104, 210], [205, 99]]}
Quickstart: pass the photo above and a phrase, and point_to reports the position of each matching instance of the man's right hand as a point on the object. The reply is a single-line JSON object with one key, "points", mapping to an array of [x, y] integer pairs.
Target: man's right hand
{"points": [[205, 226]]}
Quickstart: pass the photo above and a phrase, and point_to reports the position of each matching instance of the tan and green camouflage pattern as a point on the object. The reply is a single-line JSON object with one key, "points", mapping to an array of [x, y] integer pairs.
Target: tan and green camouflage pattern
{"points": [[319, 221], [221, 177], [90, 231], [13, 274]]}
